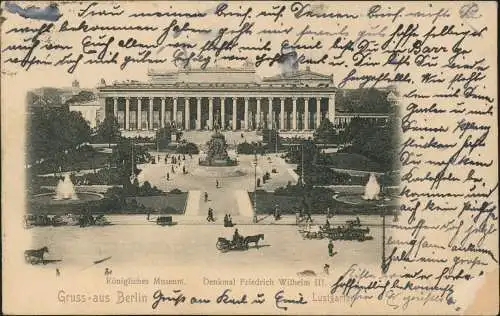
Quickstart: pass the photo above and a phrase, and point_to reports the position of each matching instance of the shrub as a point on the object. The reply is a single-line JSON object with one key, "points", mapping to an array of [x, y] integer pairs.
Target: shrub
{"points": [[147, 190], [319, 175], [175, 191], [188, 148]]}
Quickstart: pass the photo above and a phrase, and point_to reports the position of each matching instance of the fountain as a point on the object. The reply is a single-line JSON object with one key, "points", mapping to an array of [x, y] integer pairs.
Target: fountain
{"points": [[63, 200], [372, 188], [65, 189], [369, 198], [216, 155]]}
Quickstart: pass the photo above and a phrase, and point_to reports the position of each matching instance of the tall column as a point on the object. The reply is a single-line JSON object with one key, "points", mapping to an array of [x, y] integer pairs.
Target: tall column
{"points": [[234, 113], [282, 113], [257, 117], [318, 112], [186, 115], [294, 113], [246, 113], [331, 108], [222, 113], [127, 113], [150, 122], [270, 114], [139, 114], [198, 113], [210, 112], [174, 112], [306, 113], [115, 107], [162, 114]]}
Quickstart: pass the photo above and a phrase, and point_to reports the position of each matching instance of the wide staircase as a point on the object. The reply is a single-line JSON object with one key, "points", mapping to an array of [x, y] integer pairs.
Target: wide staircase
{"points": [[245, 206], [193, 203]]}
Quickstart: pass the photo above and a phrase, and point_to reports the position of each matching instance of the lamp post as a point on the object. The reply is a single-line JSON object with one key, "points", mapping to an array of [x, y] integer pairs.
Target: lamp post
{"points": [[302, 168], [383, 266], [395, 220], [276, 141], [158, 140], [132, 176]]}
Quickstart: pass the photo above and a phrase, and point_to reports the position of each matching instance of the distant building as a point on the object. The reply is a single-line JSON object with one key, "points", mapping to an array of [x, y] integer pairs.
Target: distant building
{"points": [[71, 98], [50, 97], [91, 111]]}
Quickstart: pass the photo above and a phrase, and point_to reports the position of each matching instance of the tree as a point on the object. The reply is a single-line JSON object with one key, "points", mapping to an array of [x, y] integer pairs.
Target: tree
{"points": [[273, 139], [306, 149], [122, 158], [54, 132], [363, 100], [379, 143], [357, 128], [109, 130], [326, 132]]}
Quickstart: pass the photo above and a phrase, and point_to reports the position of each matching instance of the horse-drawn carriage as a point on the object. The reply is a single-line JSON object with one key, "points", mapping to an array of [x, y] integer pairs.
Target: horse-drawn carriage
{"points": [[35, 256], [352, 231], [349, 232], [312, 232], [241, 243]]}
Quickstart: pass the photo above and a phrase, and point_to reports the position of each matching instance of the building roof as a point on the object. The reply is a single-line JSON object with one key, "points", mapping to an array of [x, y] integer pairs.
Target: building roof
{"points": [[228, 77], [301, 77], [212, 75]]}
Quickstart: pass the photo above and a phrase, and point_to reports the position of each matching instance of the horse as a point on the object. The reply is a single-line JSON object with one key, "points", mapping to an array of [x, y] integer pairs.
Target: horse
{"points": [[254, 239], [35, 256]]}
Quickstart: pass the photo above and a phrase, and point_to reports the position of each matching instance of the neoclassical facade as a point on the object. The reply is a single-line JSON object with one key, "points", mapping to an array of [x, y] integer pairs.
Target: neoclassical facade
{"points": [[234, 99]]}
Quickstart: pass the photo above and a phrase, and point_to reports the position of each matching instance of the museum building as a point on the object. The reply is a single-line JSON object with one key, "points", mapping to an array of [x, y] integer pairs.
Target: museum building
{"points": [[234, 99]]}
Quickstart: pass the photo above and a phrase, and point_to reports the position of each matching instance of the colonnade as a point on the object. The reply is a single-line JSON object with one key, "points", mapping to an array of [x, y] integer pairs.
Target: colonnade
{"points": [[273, 113]]}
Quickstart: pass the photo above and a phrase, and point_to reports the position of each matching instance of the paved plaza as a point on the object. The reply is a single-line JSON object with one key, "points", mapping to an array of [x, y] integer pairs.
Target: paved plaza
{"points": [[231, 196], [135, 242], [193, 239]]}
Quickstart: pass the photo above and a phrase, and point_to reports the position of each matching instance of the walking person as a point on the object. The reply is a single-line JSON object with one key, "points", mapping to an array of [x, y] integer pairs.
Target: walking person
{"points": [[216, 184], [168, 176], [206, 197], [330, 248], [308, 218], [210, 217]]}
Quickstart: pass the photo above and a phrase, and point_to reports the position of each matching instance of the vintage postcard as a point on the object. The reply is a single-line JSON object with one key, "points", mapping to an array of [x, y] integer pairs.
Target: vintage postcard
{"points": [[249, 157]]}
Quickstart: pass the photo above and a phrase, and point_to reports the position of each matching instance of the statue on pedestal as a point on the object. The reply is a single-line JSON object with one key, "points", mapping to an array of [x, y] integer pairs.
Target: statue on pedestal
{"points": [[217, 149]]}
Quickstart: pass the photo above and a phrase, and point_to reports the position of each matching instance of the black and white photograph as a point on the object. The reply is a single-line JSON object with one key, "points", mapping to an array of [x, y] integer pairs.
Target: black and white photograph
{"points": [[284, 168]]}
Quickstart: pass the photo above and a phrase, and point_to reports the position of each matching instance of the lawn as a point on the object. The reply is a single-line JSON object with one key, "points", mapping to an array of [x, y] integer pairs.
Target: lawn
{"points": [[349, 161], [318, 204]]}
